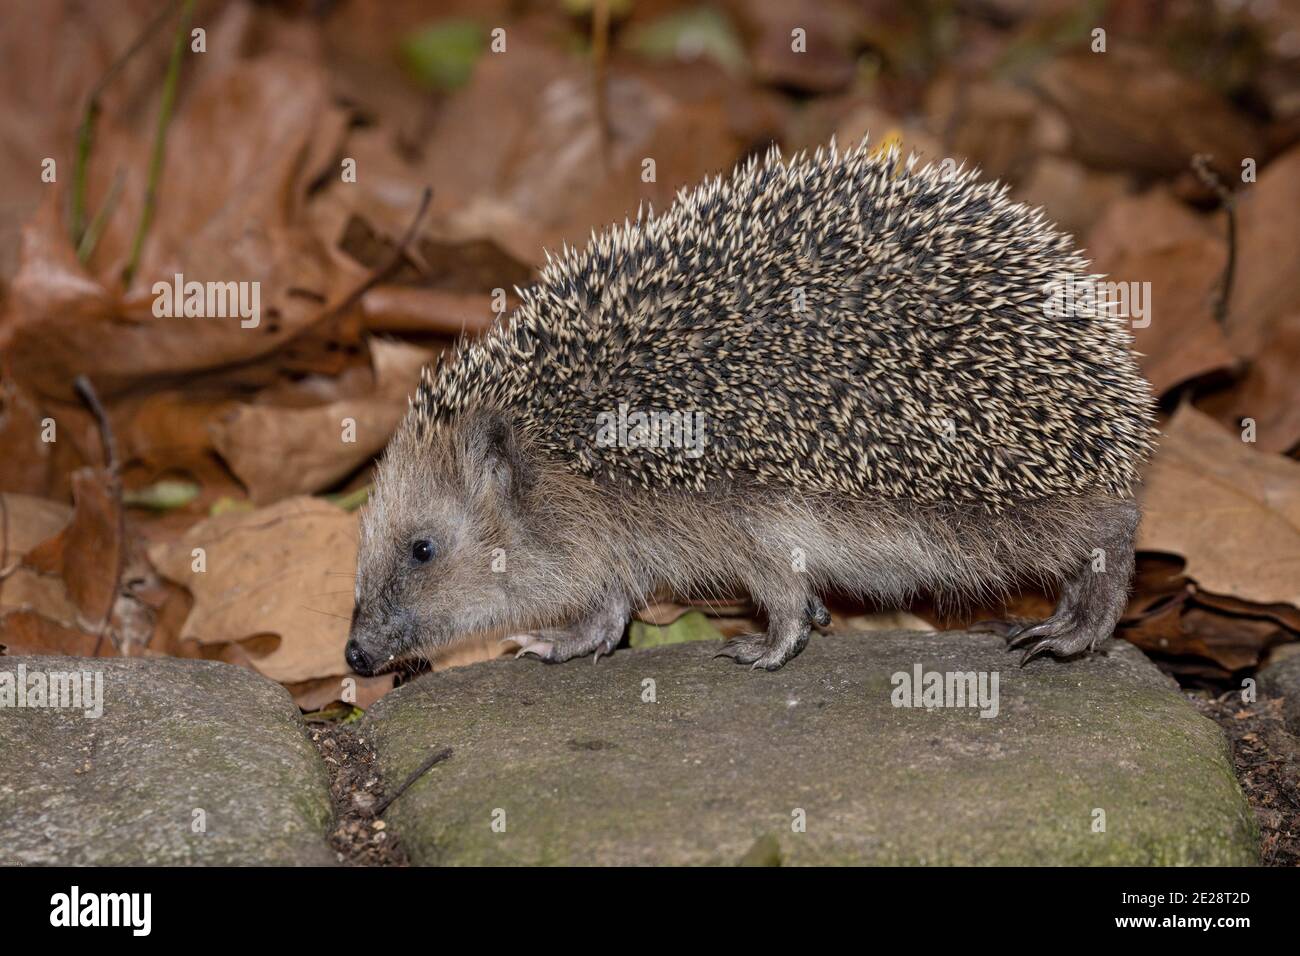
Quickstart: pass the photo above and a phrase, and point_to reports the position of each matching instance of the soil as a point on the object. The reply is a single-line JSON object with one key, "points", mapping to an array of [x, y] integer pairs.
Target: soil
{"points": [[1267, 760], [358, 838]]}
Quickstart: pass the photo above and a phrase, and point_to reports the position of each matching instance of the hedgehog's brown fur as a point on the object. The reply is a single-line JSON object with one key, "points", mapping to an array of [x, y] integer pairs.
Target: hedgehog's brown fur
{"points": [[920, 424]]}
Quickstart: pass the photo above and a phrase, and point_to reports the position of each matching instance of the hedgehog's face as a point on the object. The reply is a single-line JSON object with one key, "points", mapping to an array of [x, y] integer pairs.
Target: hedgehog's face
{"points": [[433, 539]]}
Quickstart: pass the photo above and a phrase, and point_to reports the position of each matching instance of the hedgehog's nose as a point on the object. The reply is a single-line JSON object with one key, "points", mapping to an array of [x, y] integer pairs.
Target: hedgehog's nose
{"points": [[358, 659]]}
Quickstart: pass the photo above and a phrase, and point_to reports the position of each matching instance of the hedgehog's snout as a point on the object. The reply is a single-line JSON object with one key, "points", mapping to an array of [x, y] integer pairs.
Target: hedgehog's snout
{"points": [[358, 659], [354, 653], [364, 651]]}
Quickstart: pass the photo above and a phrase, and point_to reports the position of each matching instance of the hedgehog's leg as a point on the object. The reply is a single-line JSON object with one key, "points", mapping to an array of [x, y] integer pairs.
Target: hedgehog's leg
{"points": [[597, 633], [789, 623], [1092, 601]]}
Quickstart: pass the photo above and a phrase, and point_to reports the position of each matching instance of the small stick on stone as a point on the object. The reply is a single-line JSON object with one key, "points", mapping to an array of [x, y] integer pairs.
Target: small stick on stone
{"points": [[424, 768]]}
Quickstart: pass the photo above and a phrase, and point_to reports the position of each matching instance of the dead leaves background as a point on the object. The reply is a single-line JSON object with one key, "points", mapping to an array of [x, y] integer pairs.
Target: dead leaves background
{"points": [[234, 433]]}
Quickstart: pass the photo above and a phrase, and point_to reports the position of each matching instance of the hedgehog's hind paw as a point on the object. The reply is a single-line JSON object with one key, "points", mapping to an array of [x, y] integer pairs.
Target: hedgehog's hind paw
{"points": [[1019, 632], [1035, 631], [1008, 629], [1062, 638]]}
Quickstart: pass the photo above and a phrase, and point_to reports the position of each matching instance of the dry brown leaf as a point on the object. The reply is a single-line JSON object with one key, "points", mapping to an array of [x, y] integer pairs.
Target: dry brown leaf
{"points": [[1230, 511], [1183, 340], [881, 621], [1128, 110], [1267, 284], [54, 52], [1269, 392], [28, 462], [825, 64], [867, 120], [663, 613], [1152, 221], [1157, 580], [416, 311], [1154, 239], [257, 440], [1073, 195], [278, 582], [989, 124], [32, 521], [319, 694], [1286, 615], [88, 552], [244, 225], [24, 631], [538, 177], [1185, 630]]}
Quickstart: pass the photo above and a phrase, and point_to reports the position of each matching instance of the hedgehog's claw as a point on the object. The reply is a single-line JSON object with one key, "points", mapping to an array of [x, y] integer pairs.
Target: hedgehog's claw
{"points": [[1003, 628], [817, 613], [745, 648], [530, 644], [1050, 627], [1033, 651], [1067, 639], [554, 645]]}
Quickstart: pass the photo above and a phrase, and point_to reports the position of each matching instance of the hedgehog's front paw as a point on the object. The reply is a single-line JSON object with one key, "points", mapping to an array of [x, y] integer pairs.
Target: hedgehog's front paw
{"points": [[533, 644], [760, 651], [555, 645]]}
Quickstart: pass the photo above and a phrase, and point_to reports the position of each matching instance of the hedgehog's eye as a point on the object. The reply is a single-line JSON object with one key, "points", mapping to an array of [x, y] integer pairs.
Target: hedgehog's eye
{"points": [[422, 551]]}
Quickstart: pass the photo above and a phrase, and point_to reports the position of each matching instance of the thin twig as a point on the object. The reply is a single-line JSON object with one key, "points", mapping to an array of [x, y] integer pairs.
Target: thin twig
{"points": [[159, 141], [394, 262], [90, 238], [86, 131], [424, 768], [1201, 163], [380, 274], [86, 391], [600, 71]]}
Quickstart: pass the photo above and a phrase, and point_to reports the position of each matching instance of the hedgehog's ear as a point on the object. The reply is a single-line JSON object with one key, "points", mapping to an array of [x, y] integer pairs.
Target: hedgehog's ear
{"points": [[494, 459]]}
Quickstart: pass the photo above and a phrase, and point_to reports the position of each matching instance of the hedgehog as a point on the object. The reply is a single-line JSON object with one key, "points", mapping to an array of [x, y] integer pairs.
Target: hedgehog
{"points": [[839, 374]]}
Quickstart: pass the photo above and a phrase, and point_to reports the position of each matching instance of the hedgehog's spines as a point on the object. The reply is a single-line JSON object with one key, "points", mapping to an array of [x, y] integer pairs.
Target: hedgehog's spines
{"points": [[923, 300]]}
